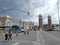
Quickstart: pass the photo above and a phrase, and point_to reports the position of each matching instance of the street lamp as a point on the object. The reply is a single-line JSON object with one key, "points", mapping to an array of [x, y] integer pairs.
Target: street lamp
{"points": [[14, 9], [58, 12]]}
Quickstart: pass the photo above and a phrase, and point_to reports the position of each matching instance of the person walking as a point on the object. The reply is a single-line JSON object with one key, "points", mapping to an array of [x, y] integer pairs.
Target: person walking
{"points": [[10, 35], [6, 36], [27, 30]]}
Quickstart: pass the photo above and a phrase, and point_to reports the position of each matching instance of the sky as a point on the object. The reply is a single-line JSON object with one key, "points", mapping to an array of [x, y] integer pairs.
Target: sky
{"points": [[35, 7]]}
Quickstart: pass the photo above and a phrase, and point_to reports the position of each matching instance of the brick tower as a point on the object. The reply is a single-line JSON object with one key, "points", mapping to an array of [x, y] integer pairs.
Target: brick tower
{"points": [[49, 22], [40, 22]]}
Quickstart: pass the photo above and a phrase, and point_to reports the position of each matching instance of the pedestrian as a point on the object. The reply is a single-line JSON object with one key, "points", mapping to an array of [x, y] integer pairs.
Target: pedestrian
{"points": [[6, 36], [27, 30], [23, 29], [10, 36]]}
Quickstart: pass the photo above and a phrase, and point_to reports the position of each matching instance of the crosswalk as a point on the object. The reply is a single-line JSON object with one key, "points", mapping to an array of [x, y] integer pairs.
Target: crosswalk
{"points": [[16, 43], [29, 42], [26, 43], [31, 39]]}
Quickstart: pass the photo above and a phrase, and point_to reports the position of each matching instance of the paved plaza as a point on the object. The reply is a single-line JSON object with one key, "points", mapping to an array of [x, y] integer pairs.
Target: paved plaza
{"points": [[34, 38]]}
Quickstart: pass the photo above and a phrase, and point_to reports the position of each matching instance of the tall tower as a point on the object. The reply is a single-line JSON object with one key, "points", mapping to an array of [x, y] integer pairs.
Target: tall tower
{"points": [[49, 22], [40, 22]]}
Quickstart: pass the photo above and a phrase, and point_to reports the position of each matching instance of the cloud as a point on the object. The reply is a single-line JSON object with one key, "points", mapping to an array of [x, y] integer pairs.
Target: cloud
{"points": [[48, 7], [55, 19], [37, 3], [35, 7], [45, 20]]}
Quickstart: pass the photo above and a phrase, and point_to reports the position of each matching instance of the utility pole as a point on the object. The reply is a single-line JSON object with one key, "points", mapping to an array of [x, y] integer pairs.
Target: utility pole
{"points": [[58, 12]]}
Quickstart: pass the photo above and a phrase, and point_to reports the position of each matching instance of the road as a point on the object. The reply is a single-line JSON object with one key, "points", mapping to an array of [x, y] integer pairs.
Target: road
{"points": [[35, 38]]}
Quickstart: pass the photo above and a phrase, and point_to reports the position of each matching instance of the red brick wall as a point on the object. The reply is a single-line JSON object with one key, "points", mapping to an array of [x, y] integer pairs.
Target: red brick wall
{"points": [[49, 21], [40, 22]]}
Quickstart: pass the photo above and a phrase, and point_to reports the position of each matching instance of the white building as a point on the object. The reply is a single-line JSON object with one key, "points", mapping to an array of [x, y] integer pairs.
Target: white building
{"points": [[6, 20]]}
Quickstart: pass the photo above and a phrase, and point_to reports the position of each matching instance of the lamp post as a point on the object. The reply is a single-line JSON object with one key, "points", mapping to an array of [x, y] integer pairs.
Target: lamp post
{"points": [[5, 10], [58, 12]]}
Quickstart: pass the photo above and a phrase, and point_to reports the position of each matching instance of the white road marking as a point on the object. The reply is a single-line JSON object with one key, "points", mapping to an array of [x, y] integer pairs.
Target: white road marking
{"points": [[38, 37], [36, 43], [42, 38], [16, 43], [53, 36], [25, 41]]}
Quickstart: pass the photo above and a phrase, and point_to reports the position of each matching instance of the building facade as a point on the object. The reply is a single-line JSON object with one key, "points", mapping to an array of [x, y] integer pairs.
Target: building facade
{"points": [[49, 22], [40, 22], [6, 20]]}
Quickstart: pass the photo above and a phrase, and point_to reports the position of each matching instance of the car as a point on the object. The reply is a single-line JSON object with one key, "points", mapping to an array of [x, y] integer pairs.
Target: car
{"points": [[21, 31], [49, 29]]}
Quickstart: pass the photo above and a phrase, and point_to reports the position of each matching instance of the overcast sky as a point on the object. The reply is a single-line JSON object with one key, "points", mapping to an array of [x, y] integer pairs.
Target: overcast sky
{"points": [[35, 7]]}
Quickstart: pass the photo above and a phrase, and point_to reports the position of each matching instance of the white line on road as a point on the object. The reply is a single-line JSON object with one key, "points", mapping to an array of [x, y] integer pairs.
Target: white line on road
{"points": [[38, 38], [53, 36], [42, 38], [36, 43], [16, 43]]}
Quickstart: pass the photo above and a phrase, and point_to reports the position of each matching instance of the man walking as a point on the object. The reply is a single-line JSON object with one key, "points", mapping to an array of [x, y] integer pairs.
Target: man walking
{"points": [[6, 36], [10, 35]]}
